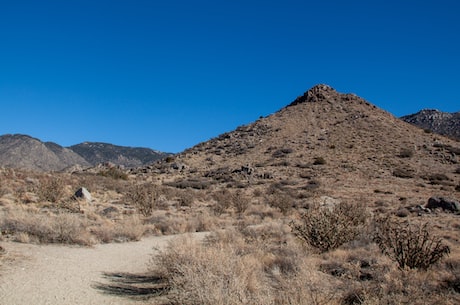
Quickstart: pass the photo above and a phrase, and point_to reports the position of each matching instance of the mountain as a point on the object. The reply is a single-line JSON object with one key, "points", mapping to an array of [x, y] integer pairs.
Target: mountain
{"points": [[23, 151], [96, 153], [324, 143], [444, 123]]}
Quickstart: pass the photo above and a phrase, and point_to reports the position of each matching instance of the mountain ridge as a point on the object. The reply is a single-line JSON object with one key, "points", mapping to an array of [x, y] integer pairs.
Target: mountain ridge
{"points": [[27, 152], [437, 121]]}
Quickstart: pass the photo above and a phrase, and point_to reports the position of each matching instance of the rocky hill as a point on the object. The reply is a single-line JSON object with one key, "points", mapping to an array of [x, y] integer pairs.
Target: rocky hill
{"points": [[444, 123], [96, 153], [323, 144], [22, 151]]}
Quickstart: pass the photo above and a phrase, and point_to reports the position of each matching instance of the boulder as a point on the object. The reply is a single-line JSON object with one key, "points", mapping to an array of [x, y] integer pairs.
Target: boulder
{"points": [[83, 193], [446, 204]]}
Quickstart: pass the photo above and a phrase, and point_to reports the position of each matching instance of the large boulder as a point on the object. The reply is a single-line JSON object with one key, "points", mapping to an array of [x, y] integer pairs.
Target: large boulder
{"points": [[446, 204], [83, 193]]}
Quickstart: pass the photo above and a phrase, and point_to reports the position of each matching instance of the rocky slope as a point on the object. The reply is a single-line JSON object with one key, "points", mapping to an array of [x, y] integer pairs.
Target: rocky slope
{"points": [[22, 151], [444, 123], [327, 143]]}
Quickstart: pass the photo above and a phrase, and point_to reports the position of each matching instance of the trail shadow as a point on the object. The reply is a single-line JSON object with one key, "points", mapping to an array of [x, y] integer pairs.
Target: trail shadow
{"points": [[137, 286]]}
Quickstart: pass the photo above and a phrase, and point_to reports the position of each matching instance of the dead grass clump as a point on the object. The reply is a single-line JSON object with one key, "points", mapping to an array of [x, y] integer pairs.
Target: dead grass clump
{"points": [[326, 228], [411, 246], [216, 273], [319, 161], [240, 202], [144, 197], [223, 201], [114, 173], [406, 153], [130, 228], [62, 228], [403, 173], [51, 189], [281, 201]]}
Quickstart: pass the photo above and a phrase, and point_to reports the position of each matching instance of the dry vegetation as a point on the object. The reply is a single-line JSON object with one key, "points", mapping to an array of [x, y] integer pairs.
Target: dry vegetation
{"points": [[293, 202]]}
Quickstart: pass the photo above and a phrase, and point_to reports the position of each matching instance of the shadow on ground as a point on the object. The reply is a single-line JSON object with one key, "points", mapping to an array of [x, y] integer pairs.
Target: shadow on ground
{"points": [[138, 286]]}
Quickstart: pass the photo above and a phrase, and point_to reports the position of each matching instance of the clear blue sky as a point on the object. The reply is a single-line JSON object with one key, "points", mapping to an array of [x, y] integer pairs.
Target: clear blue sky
{"points": [[169, 74]]}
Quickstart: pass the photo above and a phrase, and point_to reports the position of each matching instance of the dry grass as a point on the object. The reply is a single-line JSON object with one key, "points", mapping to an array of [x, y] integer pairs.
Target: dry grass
{"points": [[266, 265], [29, 226]]}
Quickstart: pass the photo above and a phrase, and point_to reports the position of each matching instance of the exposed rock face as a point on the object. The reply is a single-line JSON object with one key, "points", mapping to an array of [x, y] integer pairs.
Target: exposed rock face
{"points": [[321, 93], [22, 151], [443, 203], [444, 123]]}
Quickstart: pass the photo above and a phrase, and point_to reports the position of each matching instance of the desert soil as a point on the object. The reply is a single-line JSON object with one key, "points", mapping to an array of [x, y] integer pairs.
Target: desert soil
{"points": [[56, 274]]}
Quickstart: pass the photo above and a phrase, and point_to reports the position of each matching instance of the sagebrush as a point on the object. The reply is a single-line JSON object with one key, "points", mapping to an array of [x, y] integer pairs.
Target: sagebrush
{"points": [[328, 227]]}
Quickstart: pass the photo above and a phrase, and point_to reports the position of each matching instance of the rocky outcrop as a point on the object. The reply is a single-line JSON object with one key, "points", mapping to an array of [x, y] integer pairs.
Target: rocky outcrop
{"points": [[444, 123], [445, 204]]}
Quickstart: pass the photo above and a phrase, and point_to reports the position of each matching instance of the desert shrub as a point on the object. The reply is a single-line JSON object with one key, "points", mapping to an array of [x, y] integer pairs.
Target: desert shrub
{"points": [[51, 189], [223, 200], [452, 282], [406, 153], [403, 212], [326, 228], [319, 161], [185, 198], [437, 178], [114, 173], [144, 197], [411, 246], [240, 202], [281, 201], [403, 173], [457, 188], [199, 184], [279, 153], [130, 228]]}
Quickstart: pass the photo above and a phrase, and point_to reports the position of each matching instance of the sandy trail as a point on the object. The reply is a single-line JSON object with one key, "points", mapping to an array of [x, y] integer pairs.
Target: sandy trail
{"points": [[55, 274]]}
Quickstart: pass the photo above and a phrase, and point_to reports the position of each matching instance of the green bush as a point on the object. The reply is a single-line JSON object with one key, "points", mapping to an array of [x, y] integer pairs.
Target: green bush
{"points": [[411, 246], [326, 228]]}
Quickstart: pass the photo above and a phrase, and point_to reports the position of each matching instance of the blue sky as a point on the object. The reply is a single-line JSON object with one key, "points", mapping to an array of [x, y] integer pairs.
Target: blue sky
{"points": [[170, 74]]}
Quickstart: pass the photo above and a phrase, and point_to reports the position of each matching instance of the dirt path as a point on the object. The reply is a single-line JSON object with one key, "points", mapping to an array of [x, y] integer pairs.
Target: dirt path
{"points": [[54, 274]]}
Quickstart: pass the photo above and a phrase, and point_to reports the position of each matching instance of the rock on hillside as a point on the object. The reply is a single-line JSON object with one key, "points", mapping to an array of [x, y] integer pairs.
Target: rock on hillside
{"points": [[338, 143], [22, 151], [96, 153], [444, 123]]}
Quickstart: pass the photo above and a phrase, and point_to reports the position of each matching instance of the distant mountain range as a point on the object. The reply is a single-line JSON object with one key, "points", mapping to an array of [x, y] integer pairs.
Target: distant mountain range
{"points": [[444, 123], [23, 151]]}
